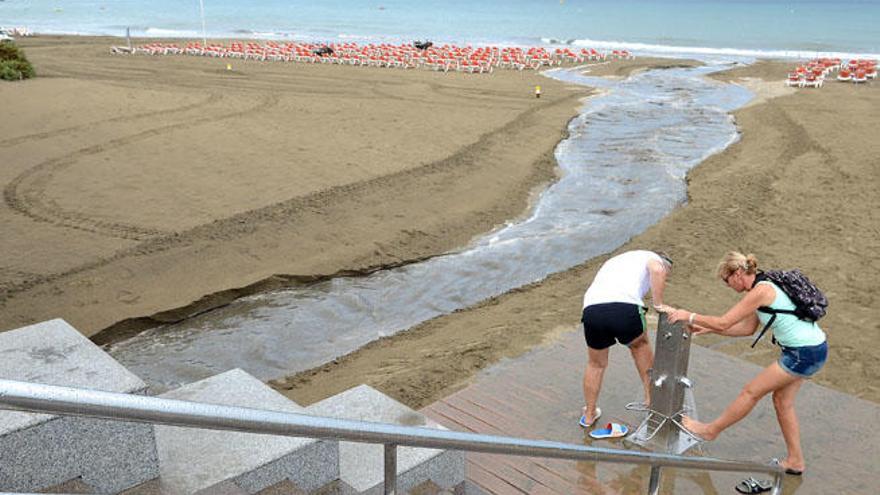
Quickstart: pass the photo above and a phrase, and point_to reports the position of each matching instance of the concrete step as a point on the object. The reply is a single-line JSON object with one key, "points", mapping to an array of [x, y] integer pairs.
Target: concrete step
{"points": [[74, 486], [207, 461], [361, 465], [41, 451], [287, 488]]}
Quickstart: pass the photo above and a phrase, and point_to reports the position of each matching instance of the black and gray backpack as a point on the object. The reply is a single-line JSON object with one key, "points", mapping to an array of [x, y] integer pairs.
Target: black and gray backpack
{"points": [[810, 303]]}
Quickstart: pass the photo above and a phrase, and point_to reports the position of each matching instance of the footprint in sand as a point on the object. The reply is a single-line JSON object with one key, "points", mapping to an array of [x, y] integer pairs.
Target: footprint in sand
{"points": [[127, 297]]}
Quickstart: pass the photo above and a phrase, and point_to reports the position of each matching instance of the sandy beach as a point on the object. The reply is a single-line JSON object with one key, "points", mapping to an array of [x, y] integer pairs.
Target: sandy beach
{"points": [[145, 189], [796, 190]]}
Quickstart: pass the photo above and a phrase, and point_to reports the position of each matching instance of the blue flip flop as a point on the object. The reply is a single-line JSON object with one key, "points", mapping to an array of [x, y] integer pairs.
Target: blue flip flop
{"points": [[611, 430], [583, 420]]}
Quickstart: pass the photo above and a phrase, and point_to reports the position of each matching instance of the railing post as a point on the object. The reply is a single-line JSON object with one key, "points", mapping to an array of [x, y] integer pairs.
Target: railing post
{"points": [[390, 469], [654, 482]]}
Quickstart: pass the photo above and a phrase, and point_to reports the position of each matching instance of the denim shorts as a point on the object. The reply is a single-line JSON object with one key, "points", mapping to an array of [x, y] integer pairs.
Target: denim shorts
{"points": [[804, 361]]}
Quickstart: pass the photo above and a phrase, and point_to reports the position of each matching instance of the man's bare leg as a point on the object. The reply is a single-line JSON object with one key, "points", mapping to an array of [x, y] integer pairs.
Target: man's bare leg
{"points": [[643, 357], [597, 361]]}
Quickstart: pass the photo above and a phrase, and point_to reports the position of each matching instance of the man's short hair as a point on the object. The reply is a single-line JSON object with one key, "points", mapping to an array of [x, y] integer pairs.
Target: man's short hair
{"points": [[665, 257]]}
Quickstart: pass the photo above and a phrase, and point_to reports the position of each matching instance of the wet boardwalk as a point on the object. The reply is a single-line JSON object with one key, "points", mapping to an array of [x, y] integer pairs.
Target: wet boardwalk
{"points": [[539, 396]]}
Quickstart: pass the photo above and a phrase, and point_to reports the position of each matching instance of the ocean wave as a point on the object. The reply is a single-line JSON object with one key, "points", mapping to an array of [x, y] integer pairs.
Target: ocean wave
{"points": [[648, 48], [120, 28], [355, 37], [556, 41], [272, 35], [155, 32], [323, 35]]}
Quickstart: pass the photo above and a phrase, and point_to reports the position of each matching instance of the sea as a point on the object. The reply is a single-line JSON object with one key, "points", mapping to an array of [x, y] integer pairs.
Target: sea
{"points": [[751, 28]]}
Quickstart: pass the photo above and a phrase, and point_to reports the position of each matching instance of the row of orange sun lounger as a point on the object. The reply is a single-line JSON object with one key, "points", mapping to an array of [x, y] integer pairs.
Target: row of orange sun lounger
{"points": [[444, 57], [814, 73]]}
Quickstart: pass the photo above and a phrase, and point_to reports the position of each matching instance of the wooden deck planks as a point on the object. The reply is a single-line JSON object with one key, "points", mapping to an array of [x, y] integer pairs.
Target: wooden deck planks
{"points": [[539, 396]]}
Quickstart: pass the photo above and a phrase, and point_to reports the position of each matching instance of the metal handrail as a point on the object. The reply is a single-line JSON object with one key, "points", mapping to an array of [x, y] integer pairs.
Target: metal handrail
{"points": [[52, 399]]}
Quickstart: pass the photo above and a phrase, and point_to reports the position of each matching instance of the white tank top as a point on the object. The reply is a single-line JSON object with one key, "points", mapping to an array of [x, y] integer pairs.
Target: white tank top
{"points": [[623, 278]]}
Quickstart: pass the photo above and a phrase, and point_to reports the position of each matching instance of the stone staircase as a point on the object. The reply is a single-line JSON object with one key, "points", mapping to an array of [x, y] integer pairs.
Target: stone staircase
{"points": [[361, 464], [41, 450], [51, 454]]}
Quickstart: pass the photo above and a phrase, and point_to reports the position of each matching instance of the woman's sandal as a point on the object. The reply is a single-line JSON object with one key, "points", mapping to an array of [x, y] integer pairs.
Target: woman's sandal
{"points": [[788, 470], [752, 485]]}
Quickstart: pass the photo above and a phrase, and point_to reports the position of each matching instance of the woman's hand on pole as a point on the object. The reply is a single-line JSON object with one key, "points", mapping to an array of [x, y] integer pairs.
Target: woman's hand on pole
{"points": [[678, 315]]}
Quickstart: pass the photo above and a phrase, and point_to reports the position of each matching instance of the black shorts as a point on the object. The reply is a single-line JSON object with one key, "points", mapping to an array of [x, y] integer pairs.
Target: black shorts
{"points": [[609, 322]]}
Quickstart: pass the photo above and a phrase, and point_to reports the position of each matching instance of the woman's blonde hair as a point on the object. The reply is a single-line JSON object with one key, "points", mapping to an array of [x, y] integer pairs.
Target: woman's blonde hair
{"points": [[733, 261]]}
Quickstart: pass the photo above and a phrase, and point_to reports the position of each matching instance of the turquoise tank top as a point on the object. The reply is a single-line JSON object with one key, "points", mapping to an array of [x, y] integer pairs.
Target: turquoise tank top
{"points": [[789, 330]]}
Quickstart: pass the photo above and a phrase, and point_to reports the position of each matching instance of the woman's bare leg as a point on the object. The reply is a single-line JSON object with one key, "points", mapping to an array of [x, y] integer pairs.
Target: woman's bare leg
{"points": [[770, 379], [783, 401]]}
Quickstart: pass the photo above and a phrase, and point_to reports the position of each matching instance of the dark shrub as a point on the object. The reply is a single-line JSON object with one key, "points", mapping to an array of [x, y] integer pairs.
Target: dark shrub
{"points": [[9, 51], [13, 64]]}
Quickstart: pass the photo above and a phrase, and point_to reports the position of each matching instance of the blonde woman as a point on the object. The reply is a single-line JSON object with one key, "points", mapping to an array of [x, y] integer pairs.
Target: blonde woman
{"points": [[804, 351]]}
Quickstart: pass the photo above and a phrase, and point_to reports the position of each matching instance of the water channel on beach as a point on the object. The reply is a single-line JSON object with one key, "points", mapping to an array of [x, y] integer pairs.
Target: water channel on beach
{"points": [[623, 169]]}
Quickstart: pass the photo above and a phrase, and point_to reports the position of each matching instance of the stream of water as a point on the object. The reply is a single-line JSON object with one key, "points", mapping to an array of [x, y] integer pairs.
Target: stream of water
{"points": [[623, 169]]}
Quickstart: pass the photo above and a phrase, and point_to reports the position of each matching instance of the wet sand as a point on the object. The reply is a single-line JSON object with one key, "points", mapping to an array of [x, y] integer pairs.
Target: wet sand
{"points": [[798, 190]]}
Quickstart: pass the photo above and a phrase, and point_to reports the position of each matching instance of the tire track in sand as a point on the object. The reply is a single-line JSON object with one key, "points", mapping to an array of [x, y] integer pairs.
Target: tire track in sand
{"points": [[212, 98], [26, 193]]}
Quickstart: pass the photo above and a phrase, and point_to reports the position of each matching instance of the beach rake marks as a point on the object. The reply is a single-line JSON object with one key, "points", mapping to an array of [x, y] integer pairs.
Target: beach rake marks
{"points": [[211, 98], [26, 194]]}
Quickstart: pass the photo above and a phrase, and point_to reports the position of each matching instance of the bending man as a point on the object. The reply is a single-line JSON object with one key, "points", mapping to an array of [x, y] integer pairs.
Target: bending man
{"points": [[614, 312]]}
